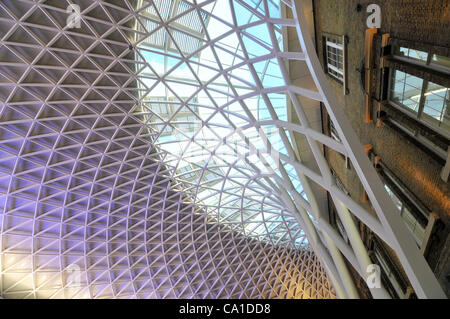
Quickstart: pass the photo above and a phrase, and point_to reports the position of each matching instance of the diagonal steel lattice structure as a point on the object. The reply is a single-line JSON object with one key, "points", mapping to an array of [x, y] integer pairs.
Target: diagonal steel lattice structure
{"points": [[151, 149]]}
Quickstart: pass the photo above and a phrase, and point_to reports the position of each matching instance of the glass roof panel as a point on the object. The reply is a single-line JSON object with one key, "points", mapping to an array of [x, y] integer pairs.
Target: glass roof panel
{"points": [[201, 83]]}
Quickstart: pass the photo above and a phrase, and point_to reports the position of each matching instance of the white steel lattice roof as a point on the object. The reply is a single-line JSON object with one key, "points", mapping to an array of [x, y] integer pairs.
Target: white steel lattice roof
{"points": [[154, 153]]}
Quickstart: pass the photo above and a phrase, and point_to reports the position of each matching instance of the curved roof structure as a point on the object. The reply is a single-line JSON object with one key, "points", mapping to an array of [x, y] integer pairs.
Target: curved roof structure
{"points": [[105, 193], [160, 149]]}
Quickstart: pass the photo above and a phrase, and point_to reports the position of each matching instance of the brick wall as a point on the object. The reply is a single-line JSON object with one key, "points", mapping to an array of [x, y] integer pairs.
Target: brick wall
{"points": [[422, 21]]}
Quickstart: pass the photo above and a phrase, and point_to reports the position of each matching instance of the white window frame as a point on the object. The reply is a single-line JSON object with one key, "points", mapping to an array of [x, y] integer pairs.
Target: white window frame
{"points": [[415, 115], [339, 74]]}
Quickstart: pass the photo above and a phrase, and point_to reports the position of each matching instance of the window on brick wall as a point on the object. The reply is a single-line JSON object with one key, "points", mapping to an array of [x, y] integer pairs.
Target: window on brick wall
{"points": [[426, 101], [417, 55], [414, 226], [440, 61], [334, 56], [337, 220], [425, 59], [396, 288], [334, 134]]}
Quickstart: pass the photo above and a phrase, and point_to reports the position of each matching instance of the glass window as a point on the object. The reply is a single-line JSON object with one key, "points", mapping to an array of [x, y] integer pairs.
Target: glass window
{"points": [[411, 222], [414, 54], [436, 108], [433, 61], [406, 90], [389, 273], [334, 133], [441, 61], [335, 57], [427, 100]]}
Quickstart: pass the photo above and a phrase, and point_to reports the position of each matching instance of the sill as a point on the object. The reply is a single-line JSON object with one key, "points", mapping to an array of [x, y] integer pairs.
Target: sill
{"points": [[341, 83], [429, 151]]}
